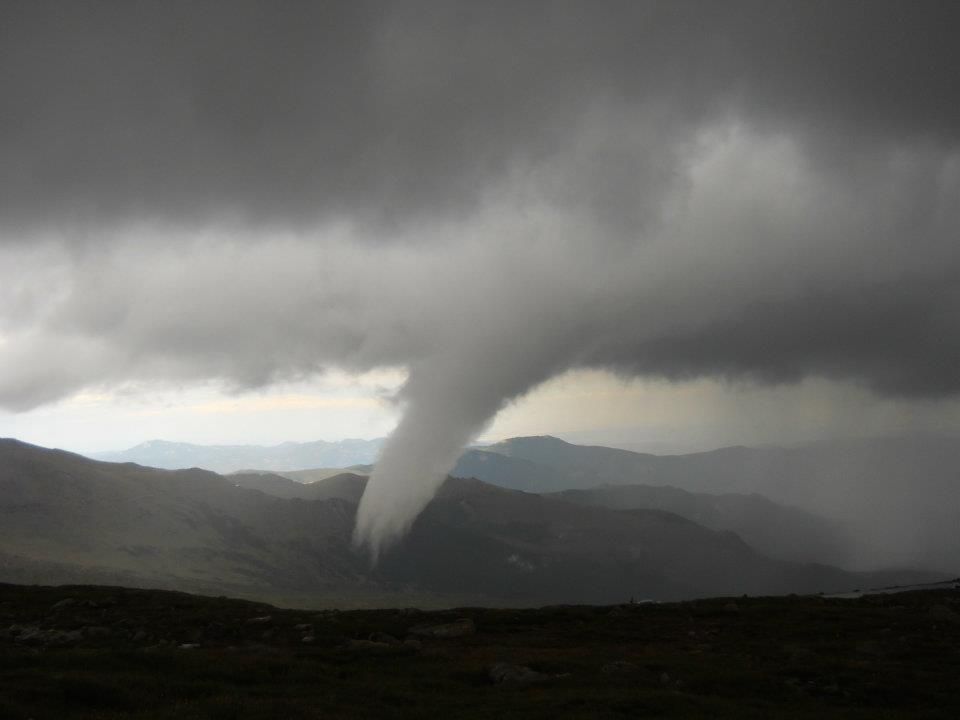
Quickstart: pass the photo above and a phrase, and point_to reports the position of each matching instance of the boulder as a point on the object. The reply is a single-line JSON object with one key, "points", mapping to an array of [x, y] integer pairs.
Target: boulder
{"points": [[31, 635], [514, 675], [60, 638]]}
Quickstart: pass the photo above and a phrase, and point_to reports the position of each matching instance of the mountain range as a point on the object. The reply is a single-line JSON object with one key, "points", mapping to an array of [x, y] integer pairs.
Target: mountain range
{"points": [[864, 504], [67, 518], [896, 499], [782, 531], [231, 458]]}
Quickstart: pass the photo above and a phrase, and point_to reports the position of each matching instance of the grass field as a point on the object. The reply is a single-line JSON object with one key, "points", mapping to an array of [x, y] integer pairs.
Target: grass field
{"points": [[97, 652]]}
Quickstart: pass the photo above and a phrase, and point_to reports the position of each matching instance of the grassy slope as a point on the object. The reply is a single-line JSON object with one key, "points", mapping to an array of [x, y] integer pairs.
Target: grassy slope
{"points": [[796, 657], [67, 519]]}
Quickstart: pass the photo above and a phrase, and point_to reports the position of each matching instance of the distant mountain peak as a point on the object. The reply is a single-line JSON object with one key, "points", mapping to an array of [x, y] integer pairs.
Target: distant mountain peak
{"points": [[157, 443], [231, 458], [537, 438]]}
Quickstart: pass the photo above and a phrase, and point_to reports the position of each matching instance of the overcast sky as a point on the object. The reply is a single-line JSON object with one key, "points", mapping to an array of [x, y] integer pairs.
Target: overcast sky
{"points": [[754, 201]]}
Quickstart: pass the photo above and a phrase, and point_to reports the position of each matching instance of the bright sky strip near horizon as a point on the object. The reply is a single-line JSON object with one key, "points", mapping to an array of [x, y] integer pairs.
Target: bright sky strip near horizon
{"points": [[587, 407]]}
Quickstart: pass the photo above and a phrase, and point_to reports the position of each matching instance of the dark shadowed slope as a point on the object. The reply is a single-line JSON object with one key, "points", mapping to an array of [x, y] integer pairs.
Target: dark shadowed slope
{"points": [[899, 499], [67, 517], [780, 531], [542, 547]]}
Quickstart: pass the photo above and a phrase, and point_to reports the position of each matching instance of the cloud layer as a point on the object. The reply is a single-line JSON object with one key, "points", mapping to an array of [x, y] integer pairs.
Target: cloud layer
{"points": [[484, 194]]}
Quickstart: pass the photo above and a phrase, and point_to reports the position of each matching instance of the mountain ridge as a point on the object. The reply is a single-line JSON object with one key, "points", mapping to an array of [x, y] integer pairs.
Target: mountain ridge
{"points": [[899, 497], [230, 458], [199, 531]]}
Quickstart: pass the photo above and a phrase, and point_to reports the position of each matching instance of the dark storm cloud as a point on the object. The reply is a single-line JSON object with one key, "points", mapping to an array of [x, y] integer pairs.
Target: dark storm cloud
{"points": [[901, 342], [192, 110], [485, 193]]}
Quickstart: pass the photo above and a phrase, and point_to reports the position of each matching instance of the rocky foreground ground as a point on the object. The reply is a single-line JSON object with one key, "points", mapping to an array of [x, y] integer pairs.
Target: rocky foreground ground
{"points": [[103, 652]]}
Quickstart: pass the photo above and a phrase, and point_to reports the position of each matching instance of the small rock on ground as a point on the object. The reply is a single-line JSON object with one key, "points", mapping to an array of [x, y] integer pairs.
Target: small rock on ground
{"points": [[458, 628], [508, 674]]}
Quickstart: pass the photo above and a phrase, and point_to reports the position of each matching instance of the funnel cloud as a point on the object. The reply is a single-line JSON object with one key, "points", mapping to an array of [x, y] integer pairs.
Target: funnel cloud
{"points": [[486, 195]]}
